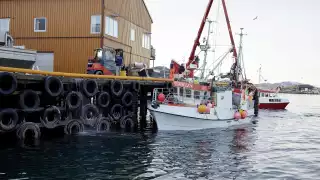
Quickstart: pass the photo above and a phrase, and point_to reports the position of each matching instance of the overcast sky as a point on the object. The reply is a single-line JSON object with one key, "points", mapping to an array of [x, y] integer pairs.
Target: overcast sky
{"points": [[284, 39]]}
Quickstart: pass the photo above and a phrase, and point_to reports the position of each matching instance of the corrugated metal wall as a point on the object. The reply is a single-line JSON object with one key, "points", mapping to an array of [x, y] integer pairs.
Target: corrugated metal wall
{"points": [[68, 29], [131, 10], [70, 54], [132, 15], [65, 18]]}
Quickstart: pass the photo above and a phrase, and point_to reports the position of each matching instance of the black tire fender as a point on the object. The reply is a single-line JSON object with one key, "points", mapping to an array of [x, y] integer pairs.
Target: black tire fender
{"points": [[116, 88], [89, 87], [53, 86], [103, 124], [127, 99], [90, 114], [9, 119], [116, 112], [103, 99], [8, 83], [135, 86], [74, 127], [51, 112], [29, 99], [74, 100], [21, 132], [127, 122]]}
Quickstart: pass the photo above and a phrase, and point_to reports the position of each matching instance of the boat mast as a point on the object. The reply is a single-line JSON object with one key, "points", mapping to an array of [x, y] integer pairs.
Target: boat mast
{"points": [[240, 55], [206, 48], [235, 55], [260, 75]]}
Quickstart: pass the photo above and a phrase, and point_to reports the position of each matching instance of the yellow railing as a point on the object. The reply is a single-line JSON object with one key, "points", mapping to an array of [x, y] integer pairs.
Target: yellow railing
{"points": [[76, 75]]}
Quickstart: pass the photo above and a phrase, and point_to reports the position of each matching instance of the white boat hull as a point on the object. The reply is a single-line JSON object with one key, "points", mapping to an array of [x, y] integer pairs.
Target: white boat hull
{"points": [[186, 118]]}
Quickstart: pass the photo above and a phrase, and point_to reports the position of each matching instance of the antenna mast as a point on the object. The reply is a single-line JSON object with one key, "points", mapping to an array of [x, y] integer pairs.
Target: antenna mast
{"points": [[240, 55], [206, 48]]}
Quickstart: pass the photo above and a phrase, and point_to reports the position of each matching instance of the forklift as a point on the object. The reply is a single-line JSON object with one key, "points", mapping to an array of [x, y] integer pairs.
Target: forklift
{"points": [[103, 62]]}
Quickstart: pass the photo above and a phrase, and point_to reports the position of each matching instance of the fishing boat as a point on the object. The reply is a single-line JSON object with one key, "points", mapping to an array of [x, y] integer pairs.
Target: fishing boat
{"points": [[191, 104], [188, 106], [270, 98]]}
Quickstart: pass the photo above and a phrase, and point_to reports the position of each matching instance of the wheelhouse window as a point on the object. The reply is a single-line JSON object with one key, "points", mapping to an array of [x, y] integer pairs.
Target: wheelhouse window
{"points": [[188, 93], [40, 24], [181, 93], [111, 27], [95, 24], [196, 94]]}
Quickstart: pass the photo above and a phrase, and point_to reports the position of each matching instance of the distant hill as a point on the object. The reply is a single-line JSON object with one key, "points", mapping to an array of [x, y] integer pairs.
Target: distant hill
{"points": [[275, 85]]}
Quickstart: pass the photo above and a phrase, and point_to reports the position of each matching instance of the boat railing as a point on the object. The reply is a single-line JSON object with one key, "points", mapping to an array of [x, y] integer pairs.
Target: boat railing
{"points": [[174, 97]]}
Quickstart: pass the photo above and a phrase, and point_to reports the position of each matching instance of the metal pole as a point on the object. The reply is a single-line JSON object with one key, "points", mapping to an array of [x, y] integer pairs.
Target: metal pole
{"points": [[240, 54], [206, 51], [102, 23]]}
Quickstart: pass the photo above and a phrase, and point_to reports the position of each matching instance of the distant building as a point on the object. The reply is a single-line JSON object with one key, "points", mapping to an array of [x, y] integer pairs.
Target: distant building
{"points": [[305, 87], [66, 32]]}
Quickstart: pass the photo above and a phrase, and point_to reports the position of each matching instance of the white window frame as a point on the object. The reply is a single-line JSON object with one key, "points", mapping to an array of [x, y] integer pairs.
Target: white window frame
{"points": [[34, 24], [132, 34], [111, 27], [92, 26], [5, 21], [146, 41]]}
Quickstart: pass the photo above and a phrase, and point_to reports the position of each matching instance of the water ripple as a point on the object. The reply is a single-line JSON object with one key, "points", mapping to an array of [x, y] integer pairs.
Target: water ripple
{"points": [[282, 145]]}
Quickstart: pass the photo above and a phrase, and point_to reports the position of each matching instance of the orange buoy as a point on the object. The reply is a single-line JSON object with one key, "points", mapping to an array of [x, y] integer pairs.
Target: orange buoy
{"points": [[244, 114], [202, 109]]}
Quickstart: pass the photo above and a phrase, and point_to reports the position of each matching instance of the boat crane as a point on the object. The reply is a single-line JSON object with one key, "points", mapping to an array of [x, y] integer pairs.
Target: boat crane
{"points": [[193, 61]]}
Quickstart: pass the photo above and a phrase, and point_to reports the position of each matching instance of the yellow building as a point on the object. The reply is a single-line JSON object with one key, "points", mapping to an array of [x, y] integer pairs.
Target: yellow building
{"points": [[66, 32]]}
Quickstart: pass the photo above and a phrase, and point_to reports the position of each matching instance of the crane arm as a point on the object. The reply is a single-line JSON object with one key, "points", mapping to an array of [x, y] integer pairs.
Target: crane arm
{"points": [[196, 42], [229, 30]]}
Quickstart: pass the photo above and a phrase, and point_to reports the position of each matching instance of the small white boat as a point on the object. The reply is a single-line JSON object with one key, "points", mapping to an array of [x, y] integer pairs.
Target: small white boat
{"points": [[179, 109]]}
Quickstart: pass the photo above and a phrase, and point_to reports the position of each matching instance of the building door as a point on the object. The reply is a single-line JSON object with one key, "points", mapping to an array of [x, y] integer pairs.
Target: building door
{"points": [[5, 24], [44, 61]]}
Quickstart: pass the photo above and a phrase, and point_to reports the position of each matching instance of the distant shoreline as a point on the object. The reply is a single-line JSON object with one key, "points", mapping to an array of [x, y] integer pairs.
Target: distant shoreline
{"points": [[308, 93]]}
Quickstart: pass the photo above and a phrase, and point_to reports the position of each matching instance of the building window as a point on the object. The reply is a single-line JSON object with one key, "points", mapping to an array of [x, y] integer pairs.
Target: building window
{"points": [[40, 24], [5, 24], [95, 24], [146, 41], [111, 27], [133, 35]]}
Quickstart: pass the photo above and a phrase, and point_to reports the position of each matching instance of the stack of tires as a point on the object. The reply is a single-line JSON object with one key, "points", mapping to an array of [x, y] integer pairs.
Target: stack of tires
{"points": [[29, 108]]}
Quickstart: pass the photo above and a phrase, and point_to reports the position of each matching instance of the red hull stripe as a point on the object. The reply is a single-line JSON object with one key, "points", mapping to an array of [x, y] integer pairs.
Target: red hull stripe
{"points": [[273, 105]]}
